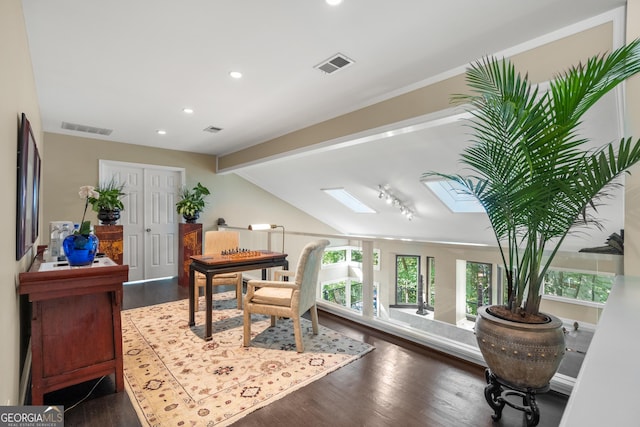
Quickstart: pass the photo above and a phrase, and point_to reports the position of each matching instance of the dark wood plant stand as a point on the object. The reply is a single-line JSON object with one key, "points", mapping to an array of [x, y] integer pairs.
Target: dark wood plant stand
{"points": [[498, 391]]}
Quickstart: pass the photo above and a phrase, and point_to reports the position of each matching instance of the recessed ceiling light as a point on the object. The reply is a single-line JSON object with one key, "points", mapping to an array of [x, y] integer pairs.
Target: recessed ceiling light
{"points": [[333, 2], [236, 74], [161, 132], [187, 110]]}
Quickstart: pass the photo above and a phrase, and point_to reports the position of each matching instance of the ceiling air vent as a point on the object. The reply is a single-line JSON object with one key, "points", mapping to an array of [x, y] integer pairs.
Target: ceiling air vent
{"points": [[85, 128], [335, 63], [212, 129]]}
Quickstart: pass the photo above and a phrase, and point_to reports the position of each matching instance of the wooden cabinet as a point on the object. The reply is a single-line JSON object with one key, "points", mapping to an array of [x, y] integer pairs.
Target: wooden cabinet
{"points": [[110, 241], [190, 243], [76, 333]]}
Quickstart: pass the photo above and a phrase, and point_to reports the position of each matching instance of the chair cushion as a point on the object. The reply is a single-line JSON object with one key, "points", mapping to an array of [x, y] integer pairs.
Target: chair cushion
{"points": [[273, 296]]}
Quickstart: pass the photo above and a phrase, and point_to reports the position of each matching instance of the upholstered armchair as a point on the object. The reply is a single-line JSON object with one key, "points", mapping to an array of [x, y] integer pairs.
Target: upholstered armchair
{"points": [[291, 299], [214, 243]]}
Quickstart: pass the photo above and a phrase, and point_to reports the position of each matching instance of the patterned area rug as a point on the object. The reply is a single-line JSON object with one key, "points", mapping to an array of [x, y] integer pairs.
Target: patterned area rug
{"points": [[175, 378]]}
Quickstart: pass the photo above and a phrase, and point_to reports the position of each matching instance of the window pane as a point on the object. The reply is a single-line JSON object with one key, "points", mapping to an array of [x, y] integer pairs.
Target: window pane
{"points": [[478, 286], [356, 295], [578, 285], [334, 256], [335, 292], [407, 273], [431, 281]]}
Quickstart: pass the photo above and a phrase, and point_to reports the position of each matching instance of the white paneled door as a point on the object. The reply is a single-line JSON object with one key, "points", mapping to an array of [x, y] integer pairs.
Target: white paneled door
{"points": [[149, 218]]}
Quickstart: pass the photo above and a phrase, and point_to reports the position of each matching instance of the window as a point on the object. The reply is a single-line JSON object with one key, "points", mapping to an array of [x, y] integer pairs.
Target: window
{"points": [[407, 275], [431, 282], [335, 292], [347, 293], [348, 254], [583, 286], [334, 256], [356, 257], [478, 286]]}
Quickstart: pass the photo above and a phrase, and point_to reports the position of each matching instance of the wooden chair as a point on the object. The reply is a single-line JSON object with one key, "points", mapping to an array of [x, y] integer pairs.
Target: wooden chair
{"points": [[214, 243], [277, 298]]}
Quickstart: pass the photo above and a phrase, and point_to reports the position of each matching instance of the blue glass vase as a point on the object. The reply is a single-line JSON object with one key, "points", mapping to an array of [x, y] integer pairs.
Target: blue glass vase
{"points": [[80, 249]]}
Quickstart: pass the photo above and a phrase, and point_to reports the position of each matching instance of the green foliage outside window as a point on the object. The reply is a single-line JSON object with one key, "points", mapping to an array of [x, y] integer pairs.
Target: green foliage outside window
{"points": [[407, 272], [478, 286], [356, 295], [334, 256], [431, 284], [356, 256], [335, 292], [581, 286]]}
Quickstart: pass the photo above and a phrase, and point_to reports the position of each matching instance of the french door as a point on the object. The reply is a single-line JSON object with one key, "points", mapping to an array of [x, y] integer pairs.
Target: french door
{"points": [[149, 217]]}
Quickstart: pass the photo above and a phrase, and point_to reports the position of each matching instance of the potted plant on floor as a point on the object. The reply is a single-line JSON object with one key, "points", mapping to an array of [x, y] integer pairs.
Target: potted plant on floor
{"points": [[192, 202], [528, 170], [108, 202]]}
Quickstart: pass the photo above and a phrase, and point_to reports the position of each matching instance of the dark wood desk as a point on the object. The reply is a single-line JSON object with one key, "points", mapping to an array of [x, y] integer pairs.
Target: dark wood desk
{"points": [[210, 265], [76, 334]]}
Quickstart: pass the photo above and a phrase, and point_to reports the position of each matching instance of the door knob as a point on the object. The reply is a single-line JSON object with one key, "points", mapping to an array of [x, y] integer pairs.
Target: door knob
{"points": [[148, 230]]}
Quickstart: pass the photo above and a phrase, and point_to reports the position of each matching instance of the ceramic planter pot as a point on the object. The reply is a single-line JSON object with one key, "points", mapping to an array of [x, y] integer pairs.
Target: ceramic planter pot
{"points": [[109, 216], [191, 219], [524, 355], [80, 249]]}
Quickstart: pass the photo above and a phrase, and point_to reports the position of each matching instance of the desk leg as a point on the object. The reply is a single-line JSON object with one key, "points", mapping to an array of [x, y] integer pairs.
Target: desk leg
{"points": [[208, 296], [192, 296]]}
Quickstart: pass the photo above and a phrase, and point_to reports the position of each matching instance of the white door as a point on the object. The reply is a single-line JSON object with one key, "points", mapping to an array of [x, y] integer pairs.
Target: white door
{"points": [[149, 218]]}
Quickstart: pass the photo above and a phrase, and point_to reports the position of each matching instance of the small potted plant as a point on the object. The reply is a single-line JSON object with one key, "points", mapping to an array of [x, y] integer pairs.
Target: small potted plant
{"points": [[108, 204], [192, 202]]}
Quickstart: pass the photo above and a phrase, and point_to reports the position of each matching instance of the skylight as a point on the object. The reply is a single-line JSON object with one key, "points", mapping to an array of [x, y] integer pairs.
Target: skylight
{"points": [[347, 199], [453, 196]]}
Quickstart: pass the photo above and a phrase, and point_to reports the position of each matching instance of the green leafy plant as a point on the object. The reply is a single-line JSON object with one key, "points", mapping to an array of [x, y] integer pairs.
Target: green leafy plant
{"points": [[527, 167], [192, 200], [109, 196]]}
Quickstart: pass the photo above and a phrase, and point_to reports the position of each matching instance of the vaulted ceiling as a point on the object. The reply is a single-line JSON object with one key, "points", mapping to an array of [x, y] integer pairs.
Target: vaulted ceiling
{"points": [[132, 66]]}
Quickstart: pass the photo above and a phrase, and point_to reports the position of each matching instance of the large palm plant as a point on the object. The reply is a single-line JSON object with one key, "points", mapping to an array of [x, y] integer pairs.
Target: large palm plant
{"points": [[527, 167]]}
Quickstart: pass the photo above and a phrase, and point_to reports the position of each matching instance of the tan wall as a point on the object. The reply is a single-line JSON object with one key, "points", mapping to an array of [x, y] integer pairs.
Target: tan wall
{"points": [[18, 95], [73, 161]]}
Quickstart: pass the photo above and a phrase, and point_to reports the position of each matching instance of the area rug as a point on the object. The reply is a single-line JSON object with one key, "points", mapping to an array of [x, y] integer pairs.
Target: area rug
{"points": [[175, 378]]}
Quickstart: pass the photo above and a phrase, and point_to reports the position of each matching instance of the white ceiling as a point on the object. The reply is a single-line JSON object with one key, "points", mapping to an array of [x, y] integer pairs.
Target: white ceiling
{"points": [[132, 66]]}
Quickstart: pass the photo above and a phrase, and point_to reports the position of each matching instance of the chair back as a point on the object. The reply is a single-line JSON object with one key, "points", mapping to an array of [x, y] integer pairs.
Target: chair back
{"points": [[307, 273], [217, 241]]}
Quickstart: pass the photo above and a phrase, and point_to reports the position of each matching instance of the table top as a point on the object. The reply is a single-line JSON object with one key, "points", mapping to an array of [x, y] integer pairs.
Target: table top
{"points": [[248, 257]]}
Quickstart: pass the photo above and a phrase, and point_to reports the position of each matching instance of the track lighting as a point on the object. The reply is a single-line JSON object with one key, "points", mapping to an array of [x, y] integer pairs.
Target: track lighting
{"points": [[384, 192]]}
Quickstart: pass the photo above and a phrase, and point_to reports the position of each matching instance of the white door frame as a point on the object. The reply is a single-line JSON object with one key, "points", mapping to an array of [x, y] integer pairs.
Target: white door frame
{"points": [[104, 166]]}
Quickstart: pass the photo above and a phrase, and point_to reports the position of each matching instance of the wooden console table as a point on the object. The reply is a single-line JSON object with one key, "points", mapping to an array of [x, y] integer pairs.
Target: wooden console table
{"points": [[76, 333]]}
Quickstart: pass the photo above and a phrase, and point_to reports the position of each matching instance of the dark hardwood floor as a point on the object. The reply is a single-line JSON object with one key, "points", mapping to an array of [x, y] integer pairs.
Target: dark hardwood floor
{"points": [[397, 384]]}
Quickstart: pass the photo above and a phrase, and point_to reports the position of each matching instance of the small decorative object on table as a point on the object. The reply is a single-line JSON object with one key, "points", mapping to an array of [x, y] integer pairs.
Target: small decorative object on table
{"points": [[81, 246]]}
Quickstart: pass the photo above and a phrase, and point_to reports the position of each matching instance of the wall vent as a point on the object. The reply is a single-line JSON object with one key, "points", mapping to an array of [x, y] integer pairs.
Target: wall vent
{"points": [[335, 63], [212, 129], [87, 129]]}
